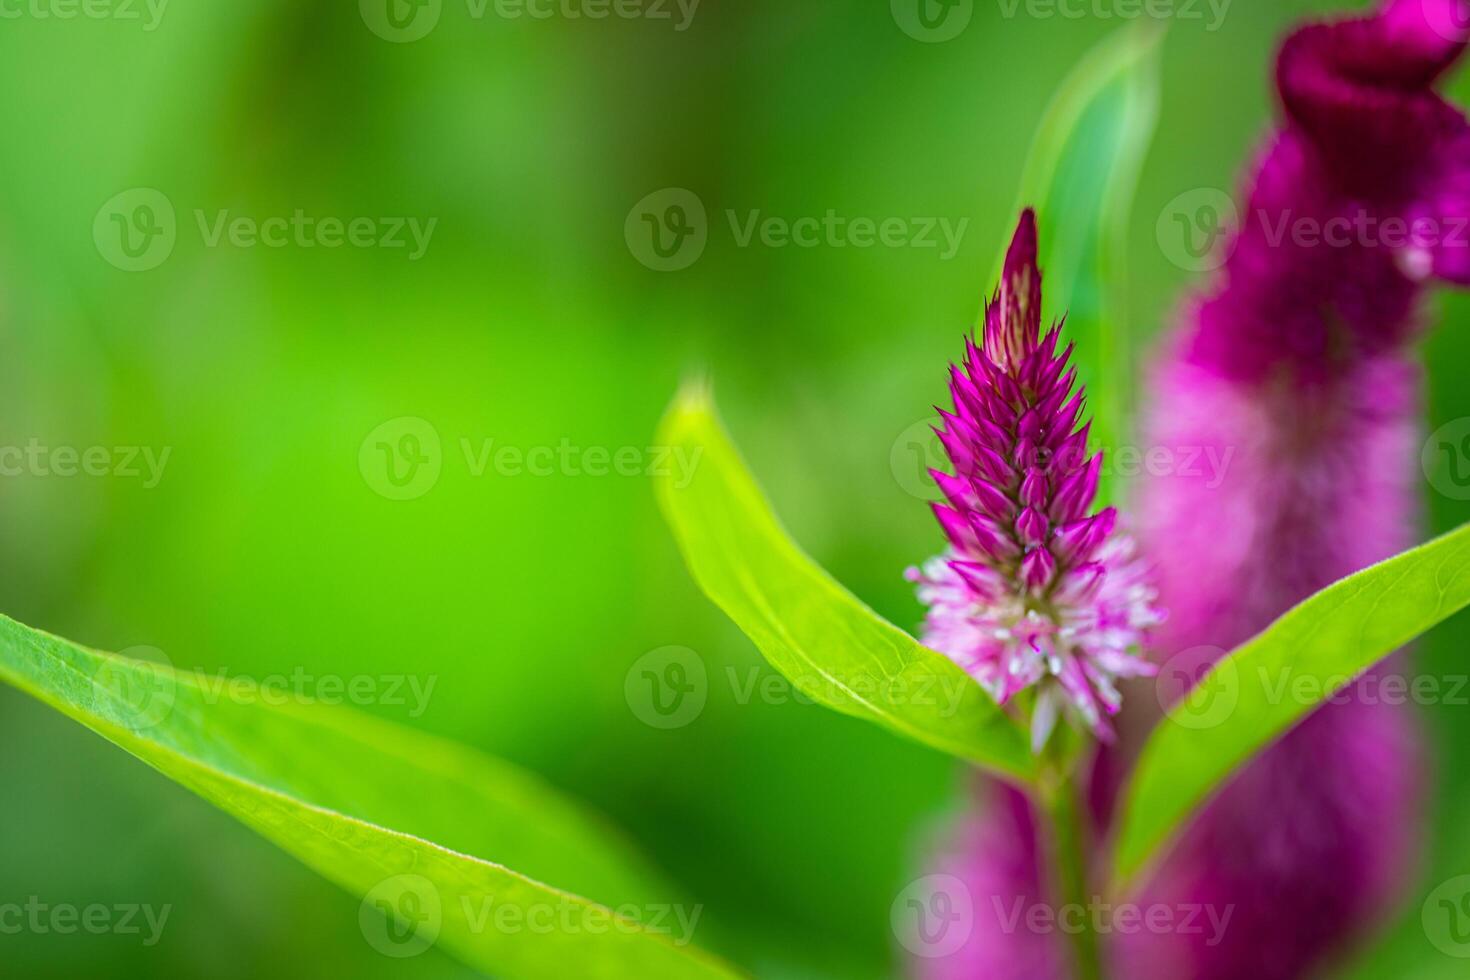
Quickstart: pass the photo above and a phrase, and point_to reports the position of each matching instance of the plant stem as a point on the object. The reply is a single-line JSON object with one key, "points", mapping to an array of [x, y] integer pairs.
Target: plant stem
{"points": [[1070, 865]]}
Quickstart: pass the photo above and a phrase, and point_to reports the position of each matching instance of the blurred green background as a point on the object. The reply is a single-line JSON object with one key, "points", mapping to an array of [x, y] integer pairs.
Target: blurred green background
{"points": [[528, 321]]}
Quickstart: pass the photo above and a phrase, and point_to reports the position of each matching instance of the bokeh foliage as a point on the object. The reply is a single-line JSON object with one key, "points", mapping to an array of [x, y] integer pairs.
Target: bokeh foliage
{"points": [[528, 322]]}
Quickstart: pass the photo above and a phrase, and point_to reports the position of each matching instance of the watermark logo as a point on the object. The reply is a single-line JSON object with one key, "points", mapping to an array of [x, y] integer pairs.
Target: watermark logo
{"points": [[411, 691], [302, 230], [1285, 684], [1415, 238], [915, 452], [136, 229], [833, 230], [667, 688], [670, 687], [39, 459], [400, 21], [934, 916], [1194, 229], [149, 13], [568, 459], [1446, 917], [918, 449], [1445, 459], [1209, 922], [402, 458], [932, 21], [64, 919], [136, 688], [667, 230], [567, 917], [1212, 12], [916, 684], [401, 916], [1198, 687]]}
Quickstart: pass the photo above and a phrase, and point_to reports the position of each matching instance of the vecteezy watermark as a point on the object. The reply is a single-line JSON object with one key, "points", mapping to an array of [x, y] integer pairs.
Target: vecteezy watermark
{"points": [[1198, 687], [403, 915], [1387, 688], [1108, 918], [136, 688], [401, 21], [934, 916], [1196, 231], [833, 230], [136, 230], [566, 917], [1201, 687], [97, 919], [913, 686], [38, 459], [669, 229], [932, 21], [917, 450], [1364, 229], [402, 459], [298, 686], [139, 688], [302, 230], [1445, 459], [569, 459], [1212, 12], [1446, 917], [148, 13], [669, 687]]}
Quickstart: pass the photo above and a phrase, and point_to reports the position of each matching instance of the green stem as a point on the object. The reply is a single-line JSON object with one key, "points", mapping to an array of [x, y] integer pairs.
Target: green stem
{"points": [[1070, 865]]}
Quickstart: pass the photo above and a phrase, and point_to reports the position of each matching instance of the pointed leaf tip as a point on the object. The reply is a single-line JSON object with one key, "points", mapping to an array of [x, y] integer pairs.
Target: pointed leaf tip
{"points": [[823, 638], [1237, 710]]}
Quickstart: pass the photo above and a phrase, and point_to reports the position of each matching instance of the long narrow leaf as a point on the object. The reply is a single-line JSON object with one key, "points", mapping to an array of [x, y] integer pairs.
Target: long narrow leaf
{"points": [[387, 813], [1255, 695], [831, 646], [1080, 176]]}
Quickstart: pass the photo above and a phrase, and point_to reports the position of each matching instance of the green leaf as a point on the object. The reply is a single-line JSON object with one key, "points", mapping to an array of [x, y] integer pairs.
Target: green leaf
{"points": [[1263, 688], [827, 642], [386, 812], [1080, 176]]}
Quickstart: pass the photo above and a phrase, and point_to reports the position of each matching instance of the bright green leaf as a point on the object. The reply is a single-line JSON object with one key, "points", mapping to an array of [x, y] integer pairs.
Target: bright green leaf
{"points": [[445, 835], [827, 642], [1274, 681]]}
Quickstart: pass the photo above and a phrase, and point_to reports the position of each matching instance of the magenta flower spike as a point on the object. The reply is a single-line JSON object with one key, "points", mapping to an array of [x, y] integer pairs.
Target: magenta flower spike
{"points": [[1034, 591]]}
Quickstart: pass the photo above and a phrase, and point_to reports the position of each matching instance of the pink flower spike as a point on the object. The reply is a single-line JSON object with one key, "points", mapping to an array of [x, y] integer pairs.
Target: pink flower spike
{"points": [[1032, 593]]}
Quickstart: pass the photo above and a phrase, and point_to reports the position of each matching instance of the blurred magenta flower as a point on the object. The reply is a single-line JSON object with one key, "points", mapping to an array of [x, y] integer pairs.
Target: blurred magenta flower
{"points": [[1293, 361], [1034, 592], [1358, 199], [1296, 357]]}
